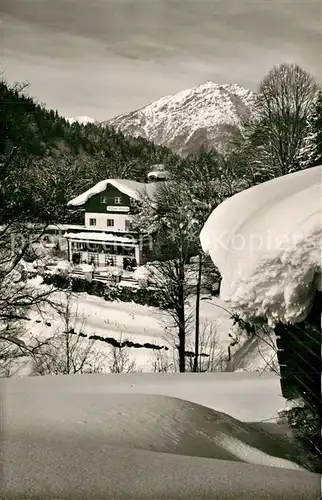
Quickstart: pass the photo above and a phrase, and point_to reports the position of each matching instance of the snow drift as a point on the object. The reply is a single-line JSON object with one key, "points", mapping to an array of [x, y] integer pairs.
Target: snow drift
{"points": [[266, 242], [150, 422], [78, 437]]}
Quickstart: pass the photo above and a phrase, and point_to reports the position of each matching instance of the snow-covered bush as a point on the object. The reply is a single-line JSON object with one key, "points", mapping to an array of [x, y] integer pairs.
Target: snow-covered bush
{"points": [[112, 291], [64, 268], [306, 426], [143, 296]]}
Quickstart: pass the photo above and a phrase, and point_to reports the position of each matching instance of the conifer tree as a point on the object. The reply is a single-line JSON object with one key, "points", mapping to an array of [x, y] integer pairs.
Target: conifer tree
{"points": [[311, 153]]}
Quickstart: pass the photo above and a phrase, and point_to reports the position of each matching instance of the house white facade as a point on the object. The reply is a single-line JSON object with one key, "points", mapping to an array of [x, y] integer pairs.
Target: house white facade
{"points": [[109, 220]]}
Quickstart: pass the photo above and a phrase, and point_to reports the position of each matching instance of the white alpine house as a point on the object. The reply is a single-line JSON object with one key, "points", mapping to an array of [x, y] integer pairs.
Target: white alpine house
{"points": [[107, 237]]}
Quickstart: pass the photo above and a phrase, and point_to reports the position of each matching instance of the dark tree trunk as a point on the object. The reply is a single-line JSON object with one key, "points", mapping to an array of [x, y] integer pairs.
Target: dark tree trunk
{"points": [[197, 327], [181, 321]]}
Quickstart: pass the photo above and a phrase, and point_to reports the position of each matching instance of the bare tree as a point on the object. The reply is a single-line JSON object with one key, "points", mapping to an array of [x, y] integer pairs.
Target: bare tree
{"points": [[18, 296], [11, 357], [166, 216], [68, 352], [211, 355], [160, 362], [119, 360], [24, 217], [206, 179], [283, 104]]}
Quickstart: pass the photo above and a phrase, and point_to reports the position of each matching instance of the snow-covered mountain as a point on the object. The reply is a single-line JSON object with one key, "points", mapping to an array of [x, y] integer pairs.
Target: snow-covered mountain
{"points": [[83, 120], [204, 116]]}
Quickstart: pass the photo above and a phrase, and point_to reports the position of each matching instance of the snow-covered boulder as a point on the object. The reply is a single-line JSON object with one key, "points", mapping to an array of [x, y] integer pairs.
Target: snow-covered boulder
{"points": [[141, 274], [26, 269], [64, 268], [27, 266], [86, 268], [40, 264], [149, 273], [266, 242]]}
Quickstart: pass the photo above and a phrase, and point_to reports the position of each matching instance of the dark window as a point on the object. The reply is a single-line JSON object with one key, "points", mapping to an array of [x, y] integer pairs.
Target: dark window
{"points": [[128, 225], [117, 200], [110, 260], [93, 258], [145, 250], [76, 245], [129, 251], [121, 250], [103, 199], [76, 258], [92, 222], [110, 222], [95, 247]]}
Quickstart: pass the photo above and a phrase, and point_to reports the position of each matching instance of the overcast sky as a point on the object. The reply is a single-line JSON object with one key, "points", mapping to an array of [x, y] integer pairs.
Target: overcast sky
{"points": [[101, 58]]}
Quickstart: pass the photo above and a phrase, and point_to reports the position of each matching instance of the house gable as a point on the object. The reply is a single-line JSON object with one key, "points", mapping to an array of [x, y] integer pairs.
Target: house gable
{"points": [[95, 205]]}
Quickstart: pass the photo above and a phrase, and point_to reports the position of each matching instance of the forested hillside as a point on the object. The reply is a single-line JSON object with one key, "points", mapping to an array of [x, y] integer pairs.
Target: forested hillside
{"points": [[45, 160], [42, 150]]}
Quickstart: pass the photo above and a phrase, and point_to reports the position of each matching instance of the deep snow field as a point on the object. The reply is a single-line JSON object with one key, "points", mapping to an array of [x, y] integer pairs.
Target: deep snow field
{"points": [[148, 436], [143, 324]]}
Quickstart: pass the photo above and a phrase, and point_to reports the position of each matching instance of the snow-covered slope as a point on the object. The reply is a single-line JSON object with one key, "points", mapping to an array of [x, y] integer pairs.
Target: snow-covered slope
{"points": [[266, 242], [129, 421], [120, 437], [203, 116], [144, 324]]}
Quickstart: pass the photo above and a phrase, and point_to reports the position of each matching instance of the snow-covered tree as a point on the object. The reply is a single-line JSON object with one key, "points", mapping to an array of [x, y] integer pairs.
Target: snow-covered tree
{"points": [[206, 179], [24, 220], [311, 152], [170, 219]]}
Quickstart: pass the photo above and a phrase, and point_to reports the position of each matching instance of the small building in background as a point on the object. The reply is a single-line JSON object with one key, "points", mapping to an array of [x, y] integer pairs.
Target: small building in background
{"points": [[158, 173]]}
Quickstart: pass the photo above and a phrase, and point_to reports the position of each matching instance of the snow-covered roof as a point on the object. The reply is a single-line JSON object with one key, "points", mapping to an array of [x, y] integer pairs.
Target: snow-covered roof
{"points": [[159, 174], [103, 237], [266, 242], [64, 227], [133, 189]]}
